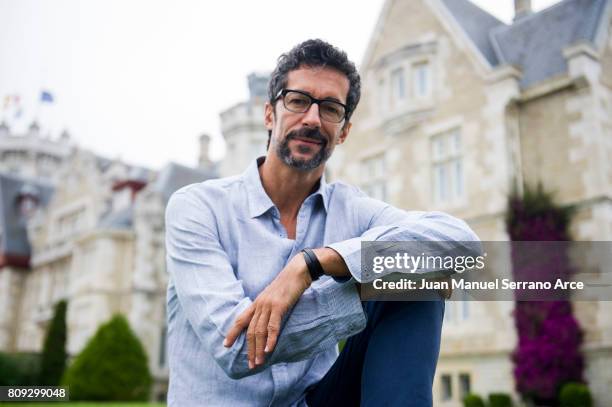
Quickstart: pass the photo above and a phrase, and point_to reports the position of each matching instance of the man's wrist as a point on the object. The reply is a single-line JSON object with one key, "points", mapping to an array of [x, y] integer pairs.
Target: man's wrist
{"points": [[315, 269], [333, 264]]}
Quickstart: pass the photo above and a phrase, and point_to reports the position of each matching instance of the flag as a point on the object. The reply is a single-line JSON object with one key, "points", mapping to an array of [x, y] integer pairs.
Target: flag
{"points": [[10, 101], [46, 96]]}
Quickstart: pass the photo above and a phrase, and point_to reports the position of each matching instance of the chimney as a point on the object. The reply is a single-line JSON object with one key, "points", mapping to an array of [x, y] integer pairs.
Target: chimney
{"points": [[522, 8], [204, 159]]}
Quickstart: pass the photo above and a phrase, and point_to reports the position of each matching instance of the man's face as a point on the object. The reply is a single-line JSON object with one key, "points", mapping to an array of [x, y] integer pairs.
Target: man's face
{"points": [[303, 140]]}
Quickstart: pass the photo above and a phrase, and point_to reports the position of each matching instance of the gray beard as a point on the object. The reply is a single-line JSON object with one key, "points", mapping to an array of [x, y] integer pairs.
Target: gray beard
{"points": [[284, 153]]}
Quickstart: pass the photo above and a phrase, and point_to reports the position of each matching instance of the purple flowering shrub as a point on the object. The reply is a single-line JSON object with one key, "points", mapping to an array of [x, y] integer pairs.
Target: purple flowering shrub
{"points": [[549, 337]]}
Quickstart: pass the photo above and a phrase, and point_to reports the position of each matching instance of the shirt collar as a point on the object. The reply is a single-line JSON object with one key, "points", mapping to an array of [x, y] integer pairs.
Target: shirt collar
{"points": [[259, 201]]}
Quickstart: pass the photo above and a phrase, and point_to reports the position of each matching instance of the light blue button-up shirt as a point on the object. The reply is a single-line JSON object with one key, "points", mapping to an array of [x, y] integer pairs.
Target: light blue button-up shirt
{"points": [[225, 243]]}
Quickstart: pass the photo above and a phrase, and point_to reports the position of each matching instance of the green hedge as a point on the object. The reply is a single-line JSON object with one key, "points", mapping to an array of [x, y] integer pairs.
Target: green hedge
{"points": [[54, 356], [575, 395], [473, 400], [19, 369], [112, 366], [500, 400]]}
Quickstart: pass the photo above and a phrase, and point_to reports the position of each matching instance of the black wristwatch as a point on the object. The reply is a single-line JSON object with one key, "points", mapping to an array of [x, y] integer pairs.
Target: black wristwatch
{"points": [[314, 267]]}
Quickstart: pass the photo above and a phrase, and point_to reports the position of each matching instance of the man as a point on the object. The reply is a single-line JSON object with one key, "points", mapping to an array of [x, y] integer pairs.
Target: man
{"points": [[249, 321]]}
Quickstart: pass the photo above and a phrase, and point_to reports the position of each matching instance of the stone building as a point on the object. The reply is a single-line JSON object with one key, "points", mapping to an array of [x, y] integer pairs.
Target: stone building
{"points": [[463, 108], [242, 126], [31, 154], [95, 239]]}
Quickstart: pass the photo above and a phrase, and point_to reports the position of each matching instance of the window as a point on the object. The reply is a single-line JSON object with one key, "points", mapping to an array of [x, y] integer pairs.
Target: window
{"points": [[373, 171], [447, 388], [70, 223], [382, 96], [397, 83], [464, 384], [447, 167], [421, 79], [458, 310]]}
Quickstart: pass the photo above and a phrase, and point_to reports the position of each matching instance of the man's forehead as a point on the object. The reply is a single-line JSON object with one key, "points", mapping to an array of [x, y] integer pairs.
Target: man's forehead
{"points": [[320, 81]]}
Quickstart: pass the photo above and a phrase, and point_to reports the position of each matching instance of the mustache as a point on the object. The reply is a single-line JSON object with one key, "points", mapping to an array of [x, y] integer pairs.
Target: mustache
{"points": [[308, 133]]}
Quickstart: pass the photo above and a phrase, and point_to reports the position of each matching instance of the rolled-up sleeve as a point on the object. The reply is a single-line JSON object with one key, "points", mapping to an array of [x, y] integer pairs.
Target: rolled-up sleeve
{"points": [[386, 223], [212, 297]]}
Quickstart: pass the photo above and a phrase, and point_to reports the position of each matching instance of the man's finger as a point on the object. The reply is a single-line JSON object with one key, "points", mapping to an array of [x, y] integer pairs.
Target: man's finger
{"points": [[273, 331], [240, 324], [251, 339], [261, 335]]}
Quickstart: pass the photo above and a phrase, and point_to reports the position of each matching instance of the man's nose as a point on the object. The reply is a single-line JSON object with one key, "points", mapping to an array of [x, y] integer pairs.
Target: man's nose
{"points": [[311, 116]]}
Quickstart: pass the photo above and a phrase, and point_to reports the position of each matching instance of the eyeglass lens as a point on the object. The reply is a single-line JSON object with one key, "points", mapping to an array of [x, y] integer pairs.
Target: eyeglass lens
{"points": [[300, 103]]}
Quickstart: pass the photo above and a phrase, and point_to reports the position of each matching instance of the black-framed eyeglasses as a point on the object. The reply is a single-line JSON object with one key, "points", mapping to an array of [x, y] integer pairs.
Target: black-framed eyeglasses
{"points": [[299, 102]]}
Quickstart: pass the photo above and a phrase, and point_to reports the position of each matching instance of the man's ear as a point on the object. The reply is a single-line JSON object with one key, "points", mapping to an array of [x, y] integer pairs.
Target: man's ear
{"points": [[344, 133], [269, 116]]}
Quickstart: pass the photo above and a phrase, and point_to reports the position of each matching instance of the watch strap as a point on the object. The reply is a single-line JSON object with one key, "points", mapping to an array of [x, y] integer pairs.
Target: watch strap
{"points": [[312, 263]]}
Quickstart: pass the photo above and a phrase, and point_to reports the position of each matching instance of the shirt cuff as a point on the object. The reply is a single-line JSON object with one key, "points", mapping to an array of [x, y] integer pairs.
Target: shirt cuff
{"points": [[343, 304], [350, 251]]}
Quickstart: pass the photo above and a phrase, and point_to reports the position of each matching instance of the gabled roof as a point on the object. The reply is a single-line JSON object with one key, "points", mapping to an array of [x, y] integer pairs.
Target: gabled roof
{"points": [[477, 24], [535, 43], [13, 232]]}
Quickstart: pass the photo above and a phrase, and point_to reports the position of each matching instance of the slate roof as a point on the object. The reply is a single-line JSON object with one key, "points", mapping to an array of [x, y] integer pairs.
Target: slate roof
{"points": [[174, 176], [13, 233], [118, 220], [477, 24], [534, 43]]}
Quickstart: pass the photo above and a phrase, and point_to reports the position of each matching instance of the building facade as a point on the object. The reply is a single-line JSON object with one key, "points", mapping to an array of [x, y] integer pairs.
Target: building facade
{"points": [[243, 130], [95, 239], [464, 109]]}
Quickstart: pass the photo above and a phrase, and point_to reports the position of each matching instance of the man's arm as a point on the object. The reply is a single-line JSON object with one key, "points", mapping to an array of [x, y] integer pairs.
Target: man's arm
{"points": [[343, 259], [431, 233], [212, 297], [263, 318]]}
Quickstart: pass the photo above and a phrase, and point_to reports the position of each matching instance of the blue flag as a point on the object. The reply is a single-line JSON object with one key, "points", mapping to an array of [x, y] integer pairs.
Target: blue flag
{"points": [[46, 96]]}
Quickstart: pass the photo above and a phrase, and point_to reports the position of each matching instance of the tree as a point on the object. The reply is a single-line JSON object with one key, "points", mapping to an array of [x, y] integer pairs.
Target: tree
{"points": [[54, 356], [549, 337], [112, 367]]}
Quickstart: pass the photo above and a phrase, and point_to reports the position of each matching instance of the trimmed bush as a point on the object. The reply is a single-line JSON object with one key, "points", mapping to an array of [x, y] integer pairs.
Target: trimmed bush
{"points": [[19, 369], [53, 361], [575, 395], [500, 400], [473, 400], [112, 366]]}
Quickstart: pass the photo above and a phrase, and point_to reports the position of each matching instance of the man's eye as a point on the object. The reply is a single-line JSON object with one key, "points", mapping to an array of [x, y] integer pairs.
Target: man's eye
{"points": [[331, 109], [298, 102]]}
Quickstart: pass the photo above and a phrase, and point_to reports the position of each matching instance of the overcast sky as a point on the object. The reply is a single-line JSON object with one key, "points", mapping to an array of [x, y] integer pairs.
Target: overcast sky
{"points": [[142, 79]]}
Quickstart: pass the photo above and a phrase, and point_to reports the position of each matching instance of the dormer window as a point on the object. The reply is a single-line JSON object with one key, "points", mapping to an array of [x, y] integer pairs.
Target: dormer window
{"points": [[398, 84], [28, 201], [27, 206], [405, 80], [421, 85]]}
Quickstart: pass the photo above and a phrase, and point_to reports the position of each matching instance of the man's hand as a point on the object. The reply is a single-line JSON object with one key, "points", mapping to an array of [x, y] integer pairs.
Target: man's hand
{"points": [[263, 317]]}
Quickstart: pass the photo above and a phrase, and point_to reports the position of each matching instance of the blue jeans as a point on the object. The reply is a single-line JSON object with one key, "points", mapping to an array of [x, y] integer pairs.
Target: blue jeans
{"points": [[391, 362]]}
